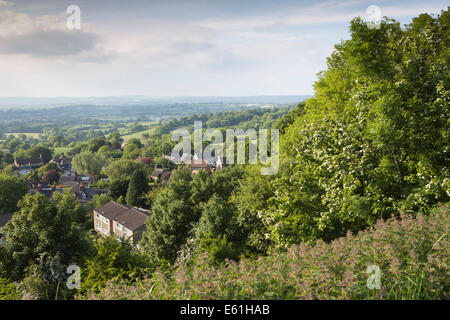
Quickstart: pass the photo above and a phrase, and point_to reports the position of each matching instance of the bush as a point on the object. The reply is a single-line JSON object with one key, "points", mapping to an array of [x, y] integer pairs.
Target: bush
{"points": [[411, 252], [8, 290]]}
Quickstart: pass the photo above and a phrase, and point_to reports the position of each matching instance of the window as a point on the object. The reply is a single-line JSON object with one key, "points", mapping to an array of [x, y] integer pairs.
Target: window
{"points": [[118, 226]]}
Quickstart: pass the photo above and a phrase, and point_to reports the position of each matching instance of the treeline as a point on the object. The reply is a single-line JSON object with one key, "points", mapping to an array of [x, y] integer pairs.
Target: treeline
{"points": [[246, 119]]}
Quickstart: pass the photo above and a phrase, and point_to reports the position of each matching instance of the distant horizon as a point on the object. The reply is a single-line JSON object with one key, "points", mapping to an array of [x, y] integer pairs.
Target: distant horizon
{"points": [[191, 48], [157, 97], [8, 103]]}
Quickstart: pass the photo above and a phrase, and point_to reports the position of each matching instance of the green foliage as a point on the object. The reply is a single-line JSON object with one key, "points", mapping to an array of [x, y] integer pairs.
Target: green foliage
{"points": [[98, 201], [119, 188], [111, 260], [42, 171], [184, 211], [131, 151], [12, 189], [217, 231], [122, 169], [35, 152], [288, 119], [88, 163], [8, 290], [412, 254], [170, 222], [250, 201], [373, 141], [43, 230], [137, 187]]}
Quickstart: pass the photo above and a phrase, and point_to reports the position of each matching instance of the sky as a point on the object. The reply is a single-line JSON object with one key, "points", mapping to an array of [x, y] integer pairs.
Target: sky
{"points": [[164, 48]]}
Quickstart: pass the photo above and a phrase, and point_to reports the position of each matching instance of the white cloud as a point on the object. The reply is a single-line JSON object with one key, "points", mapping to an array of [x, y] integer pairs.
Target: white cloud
{"points": [[233, 53], [4, 3]]}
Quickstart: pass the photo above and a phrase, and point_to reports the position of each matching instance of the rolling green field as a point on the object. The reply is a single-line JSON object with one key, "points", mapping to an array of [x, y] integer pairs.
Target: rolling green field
{"points": [[28, 134]]}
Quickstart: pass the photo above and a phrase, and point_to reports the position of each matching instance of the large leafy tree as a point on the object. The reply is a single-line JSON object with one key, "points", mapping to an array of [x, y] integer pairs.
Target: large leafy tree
{"points": [[42, 232], [122, 169], [111, 260], [174, 226], [35, 152], [374, 139], [172, 218], [137, 187], [12, 189], [88, 163]]}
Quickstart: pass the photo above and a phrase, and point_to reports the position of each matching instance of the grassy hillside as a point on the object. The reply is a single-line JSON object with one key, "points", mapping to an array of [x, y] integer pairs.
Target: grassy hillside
{"points": [[412, 254]]}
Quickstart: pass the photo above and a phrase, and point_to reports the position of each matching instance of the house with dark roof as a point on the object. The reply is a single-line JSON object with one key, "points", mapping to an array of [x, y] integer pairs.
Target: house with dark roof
{"points": [[160, 175], [86, 195], [119, 220], [28, 163]]}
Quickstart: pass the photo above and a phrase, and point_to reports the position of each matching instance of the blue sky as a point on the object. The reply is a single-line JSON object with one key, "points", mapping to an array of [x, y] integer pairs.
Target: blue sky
{"points": [[172, 48]]}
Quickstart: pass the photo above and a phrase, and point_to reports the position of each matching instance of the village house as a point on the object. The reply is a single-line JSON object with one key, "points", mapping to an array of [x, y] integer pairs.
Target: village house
{"points": [[160, 175], [121, 221], [26, 163], [62, 162], [197, 165], [86, 195]]}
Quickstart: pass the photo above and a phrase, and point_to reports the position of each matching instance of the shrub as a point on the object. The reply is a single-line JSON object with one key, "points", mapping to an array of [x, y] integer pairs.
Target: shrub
{"points": [[411, 252]]}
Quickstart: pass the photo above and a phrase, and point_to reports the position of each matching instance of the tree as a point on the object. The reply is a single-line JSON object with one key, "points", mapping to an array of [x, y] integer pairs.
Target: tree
{"points": [[12, 189], [285, 121], [119, 188], [168, 227], [42, 171], [52, 176], [373, 141], [39, 150], [131, 151], [111, 260], [217, 231], [43, 231], [88, 163], [8, 290], [137, 187], [179, 206], [99, 200], [122, 169], [250, 201]]}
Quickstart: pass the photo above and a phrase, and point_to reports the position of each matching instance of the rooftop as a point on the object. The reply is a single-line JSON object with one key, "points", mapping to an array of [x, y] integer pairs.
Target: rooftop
{"points": [[127, 216]]}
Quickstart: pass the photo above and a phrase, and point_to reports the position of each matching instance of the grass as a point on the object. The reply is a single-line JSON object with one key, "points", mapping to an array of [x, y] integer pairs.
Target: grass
{"points": [[412, 253]]}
